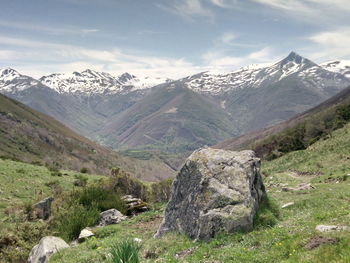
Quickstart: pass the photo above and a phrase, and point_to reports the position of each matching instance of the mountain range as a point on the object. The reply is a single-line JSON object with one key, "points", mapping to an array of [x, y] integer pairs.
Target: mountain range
{"points": [[127, 112]]}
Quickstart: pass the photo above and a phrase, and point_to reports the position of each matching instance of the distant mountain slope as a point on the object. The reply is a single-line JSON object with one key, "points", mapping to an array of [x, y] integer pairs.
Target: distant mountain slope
{"points": [[171, 118], [298, 132], [120, 111], [30, 136], [258, 97]]}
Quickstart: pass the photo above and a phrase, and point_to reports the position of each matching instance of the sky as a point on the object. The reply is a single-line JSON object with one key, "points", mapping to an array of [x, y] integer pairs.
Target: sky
{"points": [[168, 38]]}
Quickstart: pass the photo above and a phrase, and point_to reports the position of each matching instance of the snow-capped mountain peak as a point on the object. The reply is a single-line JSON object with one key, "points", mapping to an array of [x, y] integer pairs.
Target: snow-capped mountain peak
{"points": [[12, 81], [94, 82], [8, 74], [338, 66]]}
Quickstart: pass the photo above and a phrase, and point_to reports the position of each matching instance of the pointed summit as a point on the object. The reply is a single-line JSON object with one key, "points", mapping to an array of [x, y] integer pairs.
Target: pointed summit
{"points": [[294, 57]]}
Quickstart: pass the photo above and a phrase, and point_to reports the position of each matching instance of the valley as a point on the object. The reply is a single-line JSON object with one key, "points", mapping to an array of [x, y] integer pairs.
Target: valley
{"points": [[167, 116]]}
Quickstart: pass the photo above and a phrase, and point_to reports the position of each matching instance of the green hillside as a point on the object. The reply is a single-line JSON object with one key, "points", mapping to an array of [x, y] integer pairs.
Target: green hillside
{"points": [[325, 164], [34, 137]]}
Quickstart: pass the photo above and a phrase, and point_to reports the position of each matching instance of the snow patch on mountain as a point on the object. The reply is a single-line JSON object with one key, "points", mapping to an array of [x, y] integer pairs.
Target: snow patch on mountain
{"points": [[338, 66], [11, 81], [256, 76], [93, 82]]}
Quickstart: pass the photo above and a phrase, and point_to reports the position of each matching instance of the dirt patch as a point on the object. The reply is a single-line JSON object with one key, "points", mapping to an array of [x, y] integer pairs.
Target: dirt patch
{"points": [[315, 242], [153, 224]]}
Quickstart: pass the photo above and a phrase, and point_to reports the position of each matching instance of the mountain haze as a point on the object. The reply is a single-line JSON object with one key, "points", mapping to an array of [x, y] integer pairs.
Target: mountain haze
{"points": [[31, 136]]}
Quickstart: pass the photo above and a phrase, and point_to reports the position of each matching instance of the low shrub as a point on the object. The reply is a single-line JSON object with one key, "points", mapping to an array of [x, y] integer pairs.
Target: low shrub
{"points": [[125, 252], [69, 223], [80, 180], [126, 185], [100, 198], [84, 170], [160, 191]]}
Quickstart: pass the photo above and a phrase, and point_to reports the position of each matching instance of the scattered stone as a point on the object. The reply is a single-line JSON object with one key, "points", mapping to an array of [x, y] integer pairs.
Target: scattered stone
{"points": [[85, 234], [46, 247], [44, 207], [315, 242], [135, 205], [185, 253], [300, 187], [138, 240], [326, 228], [111, 216], [287, 204], [215, 191]]}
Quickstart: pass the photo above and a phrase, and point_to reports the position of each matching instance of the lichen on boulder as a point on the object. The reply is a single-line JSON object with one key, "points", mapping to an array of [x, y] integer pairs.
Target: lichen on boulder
{"points": [[215, 191]]}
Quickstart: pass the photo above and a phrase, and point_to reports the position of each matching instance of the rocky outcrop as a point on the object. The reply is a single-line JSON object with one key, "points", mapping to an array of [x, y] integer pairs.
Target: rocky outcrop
{"points": [[46, 247], [111, 216], [135, 205], [215, 191], [44, 208]]}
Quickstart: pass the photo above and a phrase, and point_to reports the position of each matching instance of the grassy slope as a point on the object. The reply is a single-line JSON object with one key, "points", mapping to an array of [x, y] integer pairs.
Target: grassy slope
{"points": [[329, 203], [22, 182], [31, 136]]}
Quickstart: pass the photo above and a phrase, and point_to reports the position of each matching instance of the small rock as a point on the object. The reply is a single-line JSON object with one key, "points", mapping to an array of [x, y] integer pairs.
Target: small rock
{"points": [[44, 207], [300, 187], [315, 242], [111, 216], [135, 205], [326, 228], [137, 240], [46, 247], [84, 234], [287, 204]]}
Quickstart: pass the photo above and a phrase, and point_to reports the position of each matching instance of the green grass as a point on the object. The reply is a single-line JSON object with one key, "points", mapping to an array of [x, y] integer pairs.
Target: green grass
{"points": [[22, 182], [275, 239]]}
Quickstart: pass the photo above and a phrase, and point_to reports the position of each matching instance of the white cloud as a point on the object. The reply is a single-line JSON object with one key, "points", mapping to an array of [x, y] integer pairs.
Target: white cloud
{"points": [[189, 9], [218, 60], [331, 45], [228, 37], [312, 11], [53, 30], [66, 58]]}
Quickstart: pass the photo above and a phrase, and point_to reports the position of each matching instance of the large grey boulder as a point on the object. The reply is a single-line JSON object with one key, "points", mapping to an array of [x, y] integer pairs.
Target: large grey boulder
{"points": [[44, 207], [46, 247], [215, 191]]}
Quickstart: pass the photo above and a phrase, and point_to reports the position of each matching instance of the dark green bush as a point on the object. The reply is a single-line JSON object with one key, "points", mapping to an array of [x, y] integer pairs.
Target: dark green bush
{"points": [[100, 198], [84, 170], [69, 223]]}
